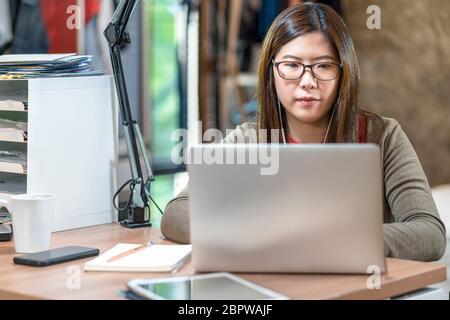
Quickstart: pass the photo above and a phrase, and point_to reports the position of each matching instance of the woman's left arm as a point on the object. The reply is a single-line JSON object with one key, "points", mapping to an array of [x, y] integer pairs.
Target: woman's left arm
{"points": [[417, 232]]}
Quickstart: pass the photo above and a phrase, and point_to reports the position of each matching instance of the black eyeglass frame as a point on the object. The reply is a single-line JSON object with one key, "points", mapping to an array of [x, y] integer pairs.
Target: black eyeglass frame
{"points": [[310, 66]]}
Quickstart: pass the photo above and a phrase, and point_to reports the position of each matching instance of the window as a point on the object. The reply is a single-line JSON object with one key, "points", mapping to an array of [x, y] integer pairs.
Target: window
{"points": [[167, 94]]}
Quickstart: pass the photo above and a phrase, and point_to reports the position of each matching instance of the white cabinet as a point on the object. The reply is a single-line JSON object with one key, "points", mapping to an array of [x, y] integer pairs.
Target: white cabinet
{"points": [[71, 149]]}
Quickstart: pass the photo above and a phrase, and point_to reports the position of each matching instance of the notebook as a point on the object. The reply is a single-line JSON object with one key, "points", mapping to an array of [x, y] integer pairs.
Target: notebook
{"points": [[157, 258]]}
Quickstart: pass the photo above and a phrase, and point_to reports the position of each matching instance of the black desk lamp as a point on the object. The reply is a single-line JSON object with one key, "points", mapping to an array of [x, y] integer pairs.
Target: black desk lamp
{"points": [[137, 207]]}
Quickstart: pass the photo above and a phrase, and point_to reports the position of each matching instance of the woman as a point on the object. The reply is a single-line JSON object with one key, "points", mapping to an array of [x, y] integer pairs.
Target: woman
{"points": [[308, 89]]}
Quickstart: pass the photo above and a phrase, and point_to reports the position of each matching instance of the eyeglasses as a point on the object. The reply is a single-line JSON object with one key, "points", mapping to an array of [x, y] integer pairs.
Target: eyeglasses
{"points": [[291, 70]]}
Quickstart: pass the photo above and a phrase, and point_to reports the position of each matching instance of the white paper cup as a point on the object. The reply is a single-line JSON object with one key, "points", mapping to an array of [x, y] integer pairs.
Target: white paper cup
{"points": [[32, 217]]}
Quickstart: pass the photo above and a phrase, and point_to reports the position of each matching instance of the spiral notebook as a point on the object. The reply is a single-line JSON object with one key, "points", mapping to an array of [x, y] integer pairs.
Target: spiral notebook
{"points": [[156, 258]]}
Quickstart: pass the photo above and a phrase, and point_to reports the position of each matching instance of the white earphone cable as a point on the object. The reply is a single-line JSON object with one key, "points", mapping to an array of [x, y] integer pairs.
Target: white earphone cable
{"points": [[282, 126], [329, 124], [281, 121]]}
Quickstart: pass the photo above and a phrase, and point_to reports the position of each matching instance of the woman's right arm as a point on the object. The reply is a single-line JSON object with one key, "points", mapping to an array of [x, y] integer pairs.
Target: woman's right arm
{"points": [[175, 221]]}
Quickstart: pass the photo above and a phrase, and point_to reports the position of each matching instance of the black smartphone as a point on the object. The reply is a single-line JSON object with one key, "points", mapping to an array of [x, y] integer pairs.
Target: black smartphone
{"points": [[54, 256]]}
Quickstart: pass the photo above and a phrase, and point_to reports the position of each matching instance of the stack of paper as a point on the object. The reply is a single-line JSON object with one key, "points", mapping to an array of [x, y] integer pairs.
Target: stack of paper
{"points": [[49, 65], [13, 131], [12, 105], [13, 161], [156, 258]]}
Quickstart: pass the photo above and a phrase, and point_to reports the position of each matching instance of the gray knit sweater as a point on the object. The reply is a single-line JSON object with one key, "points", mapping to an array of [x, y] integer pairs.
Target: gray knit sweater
{"points": [[412, 227]]}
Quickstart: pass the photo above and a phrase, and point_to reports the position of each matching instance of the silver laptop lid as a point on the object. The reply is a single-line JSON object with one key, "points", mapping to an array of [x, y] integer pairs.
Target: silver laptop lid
{"points": [[296, 208]]}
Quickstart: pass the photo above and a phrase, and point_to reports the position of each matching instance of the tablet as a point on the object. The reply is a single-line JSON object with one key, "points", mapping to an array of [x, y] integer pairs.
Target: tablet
{"points": [[214, 286]]}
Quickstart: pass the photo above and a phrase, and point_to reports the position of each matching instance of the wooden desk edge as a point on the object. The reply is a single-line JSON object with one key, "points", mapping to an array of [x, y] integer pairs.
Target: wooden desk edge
{"points": [[426, 274], [407, 285]]}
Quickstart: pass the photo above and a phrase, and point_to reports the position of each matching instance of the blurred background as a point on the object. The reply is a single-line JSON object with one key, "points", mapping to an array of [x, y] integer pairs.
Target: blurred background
{"points": [[196, 60]]}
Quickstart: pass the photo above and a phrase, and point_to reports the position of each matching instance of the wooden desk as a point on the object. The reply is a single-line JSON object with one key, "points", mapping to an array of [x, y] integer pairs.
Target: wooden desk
{"points": [[22, 282]]}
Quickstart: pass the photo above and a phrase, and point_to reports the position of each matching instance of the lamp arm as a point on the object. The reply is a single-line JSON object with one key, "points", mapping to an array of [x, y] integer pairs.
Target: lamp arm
{"points": [[138, 209]]}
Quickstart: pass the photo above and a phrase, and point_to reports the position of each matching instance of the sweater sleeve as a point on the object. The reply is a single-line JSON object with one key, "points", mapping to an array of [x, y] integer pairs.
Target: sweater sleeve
{"points": [[417, 233], [175, 221]]}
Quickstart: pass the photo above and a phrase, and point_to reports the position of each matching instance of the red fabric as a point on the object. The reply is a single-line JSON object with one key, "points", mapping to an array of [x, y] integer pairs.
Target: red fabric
{"points": [[92, 10], [289, 139], [54, 13], [362, 131]]}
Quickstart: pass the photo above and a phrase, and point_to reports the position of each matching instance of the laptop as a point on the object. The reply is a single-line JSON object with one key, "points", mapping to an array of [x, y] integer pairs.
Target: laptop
{"points": [[308, 208]]}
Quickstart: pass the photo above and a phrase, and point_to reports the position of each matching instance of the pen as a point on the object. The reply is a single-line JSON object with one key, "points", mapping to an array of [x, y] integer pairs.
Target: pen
{"points": [[128, 252]]}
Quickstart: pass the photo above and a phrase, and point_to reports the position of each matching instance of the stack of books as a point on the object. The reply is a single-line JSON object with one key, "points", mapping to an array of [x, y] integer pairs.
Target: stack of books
{"points": [[45, 65]]}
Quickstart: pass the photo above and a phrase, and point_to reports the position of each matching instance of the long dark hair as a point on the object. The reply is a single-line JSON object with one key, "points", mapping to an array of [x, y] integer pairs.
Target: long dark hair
{"points": [[295, 21]]}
